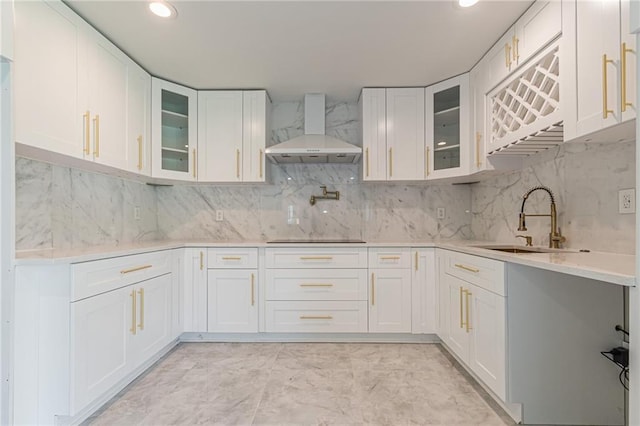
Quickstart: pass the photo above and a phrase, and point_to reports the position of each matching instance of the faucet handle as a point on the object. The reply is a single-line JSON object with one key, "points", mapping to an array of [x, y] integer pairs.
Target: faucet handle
{"points": [[528, 239]]}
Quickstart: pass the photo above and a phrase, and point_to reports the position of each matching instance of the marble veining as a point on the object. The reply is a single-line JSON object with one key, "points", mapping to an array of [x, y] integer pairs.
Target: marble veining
{"points": [[304, 384]]}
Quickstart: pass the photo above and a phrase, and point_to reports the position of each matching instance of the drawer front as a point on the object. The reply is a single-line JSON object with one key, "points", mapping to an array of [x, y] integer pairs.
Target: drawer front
{"points": [[316, 258], [483, 272], [232, 258], [91, 278], [316, 284], [389, 258], [316, 317]]}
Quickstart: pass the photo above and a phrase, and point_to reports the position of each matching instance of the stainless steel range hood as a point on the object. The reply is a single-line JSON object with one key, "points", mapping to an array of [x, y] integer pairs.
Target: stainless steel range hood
{"points": [[314, 146]]}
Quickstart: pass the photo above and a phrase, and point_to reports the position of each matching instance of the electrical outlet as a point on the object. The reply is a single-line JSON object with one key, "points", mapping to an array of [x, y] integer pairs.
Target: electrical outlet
{"points": [[627, 201], [440, 212], [136, 213], [219, 215]]}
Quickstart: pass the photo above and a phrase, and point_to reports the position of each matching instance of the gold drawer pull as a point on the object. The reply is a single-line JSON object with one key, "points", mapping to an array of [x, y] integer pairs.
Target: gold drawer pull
{"points": [[467, 268], [389, 257], [316, 285], [141, 293], [231, 258], [316, 257], [462, 292], [373, 289], [468, 324], [253, 288], [201, 261], [96, 129], [308, 317], [139, 152], [138, 268]]}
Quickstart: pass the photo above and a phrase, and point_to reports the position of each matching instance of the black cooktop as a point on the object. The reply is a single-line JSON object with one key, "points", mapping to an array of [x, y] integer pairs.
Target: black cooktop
{"points": [[316, 241]]}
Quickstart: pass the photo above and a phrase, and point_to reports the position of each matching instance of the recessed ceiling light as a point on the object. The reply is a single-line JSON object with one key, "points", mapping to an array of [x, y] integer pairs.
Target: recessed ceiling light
{"points": [[163, 9], [467, 3], [442, 143]]}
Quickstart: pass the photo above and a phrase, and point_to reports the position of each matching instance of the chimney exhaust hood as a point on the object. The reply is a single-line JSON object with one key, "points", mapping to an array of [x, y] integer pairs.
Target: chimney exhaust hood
{"points": [[314, 146]]}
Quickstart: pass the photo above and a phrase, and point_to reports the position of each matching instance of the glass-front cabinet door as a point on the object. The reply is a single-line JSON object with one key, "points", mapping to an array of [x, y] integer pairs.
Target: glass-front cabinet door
{"points": [[174, 132], [447, 128]]}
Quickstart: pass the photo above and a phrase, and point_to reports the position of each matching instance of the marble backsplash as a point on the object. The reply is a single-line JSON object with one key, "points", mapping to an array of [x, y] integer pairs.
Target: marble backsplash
{"points": [[585, 179]]}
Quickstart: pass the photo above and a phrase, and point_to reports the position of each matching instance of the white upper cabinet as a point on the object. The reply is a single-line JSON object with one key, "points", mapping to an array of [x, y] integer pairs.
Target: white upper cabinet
{"points": [[174, 139], [447, 128], [138, 149], [538, 26], [393, 134], [232, 135], [50, 48], [600, 68], [478, 84], [373, 106], [405, 134], [6, 29]]}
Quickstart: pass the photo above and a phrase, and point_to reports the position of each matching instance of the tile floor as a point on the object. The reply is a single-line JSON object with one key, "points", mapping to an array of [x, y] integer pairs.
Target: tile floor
{"points": [[303, 384]]}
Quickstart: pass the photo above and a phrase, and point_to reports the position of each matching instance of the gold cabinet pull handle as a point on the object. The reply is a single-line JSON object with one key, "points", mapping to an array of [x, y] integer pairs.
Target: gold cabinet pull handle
{"points": [[605, 109], [314, 317], [468, 296], [416, 261], [507, 55], [195, 164], [390, 162], [133, 328], [426, 166], [462, 291], [467, 268], [238, 163], [260, 163], [231, 258], [316, 257], [140, 152], [623, 64], [478, 137], [389, 257], [96, 130], [373, 290], [87, 133], [137, 268], [516, 54], [253, 288], [316, 285], [366, 156], [141, 293], [201, 261]]}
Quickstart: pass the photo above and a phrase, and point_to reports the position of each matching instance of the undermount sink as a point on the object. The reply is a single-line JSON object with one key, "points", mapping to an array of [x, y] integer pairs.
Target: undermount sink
{"points": [[522, 249]]}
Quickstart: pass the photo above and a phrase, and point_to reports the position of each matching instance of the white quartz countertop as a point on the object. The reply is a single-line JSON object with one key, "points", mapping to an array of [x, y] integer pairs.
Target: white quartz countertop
{"points": [[609, 267]]}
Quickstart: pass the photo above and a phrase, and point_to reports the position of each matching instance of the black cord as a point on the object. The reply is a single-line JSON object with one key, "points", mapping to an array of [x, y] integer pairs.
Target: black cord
{"points": [[604, 354], [619, 328], [625, 372]]}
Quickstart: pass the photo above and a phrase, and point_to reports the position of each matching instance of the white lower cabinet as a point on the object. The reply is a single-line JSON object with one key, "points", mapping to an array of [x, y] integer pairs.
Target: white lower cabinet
{"points": [[317, 316], [473, 315], [232, 290], [194, 298], [423, 291], [390, 301]]}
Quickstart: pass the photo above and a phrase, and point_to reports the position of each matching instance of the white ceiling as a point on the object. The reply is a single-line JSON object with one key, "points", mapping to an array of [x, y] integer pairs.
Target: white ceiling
{"points": [[294, 47]]}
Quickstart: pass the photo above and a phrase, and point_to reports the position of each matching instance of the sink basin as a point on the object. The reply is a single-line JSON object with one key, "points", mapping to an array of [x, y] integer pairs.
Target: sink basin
{"points": [[522, 249]]}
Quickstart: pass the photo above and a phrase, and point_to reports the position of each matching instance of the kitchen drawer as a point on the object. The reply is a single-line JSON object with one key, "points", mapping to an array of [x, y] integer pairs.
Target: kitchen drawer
{"points": [[100, 276], [316, 257], [389, 258], [316, 317], [232, 258], [316, 284], [483, 272]]}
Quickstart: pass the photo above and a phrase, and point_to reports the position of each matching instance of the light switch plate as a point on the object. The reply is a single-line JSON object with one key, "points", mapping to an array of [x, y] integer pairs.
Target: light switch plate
{"points": [[627, 201], [219, 215], [440, 212]]}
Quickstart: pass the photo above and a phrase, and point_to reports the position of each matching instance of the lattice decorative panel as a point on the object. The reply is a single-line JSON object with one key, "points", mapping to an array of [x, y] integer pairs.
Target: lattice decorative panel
{"points": [[529, 104]]}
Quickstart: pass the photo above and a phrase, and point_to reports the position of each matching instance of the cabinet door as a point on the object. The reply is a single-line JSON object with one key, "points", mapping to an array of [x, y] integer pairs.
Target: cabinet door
{"points": [[139, 121], [255, 116], [107, 69], [195, 291], [232, 305], [539, 25], [405, 134], [101, 333], [486, 318], [457, 337], [447, 123], [174, 112], [390, 301], [423, 292], [499, 60], [50, 48], [478, 85], [153, 311], [220, 136], [374, 134]]}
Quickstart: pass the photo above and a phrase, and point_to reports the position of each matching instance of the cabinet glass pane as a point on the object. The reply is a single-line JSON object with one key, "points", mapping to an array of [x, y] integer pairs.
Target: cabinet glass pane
{"points": [[446, 129], [175, 132]]}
